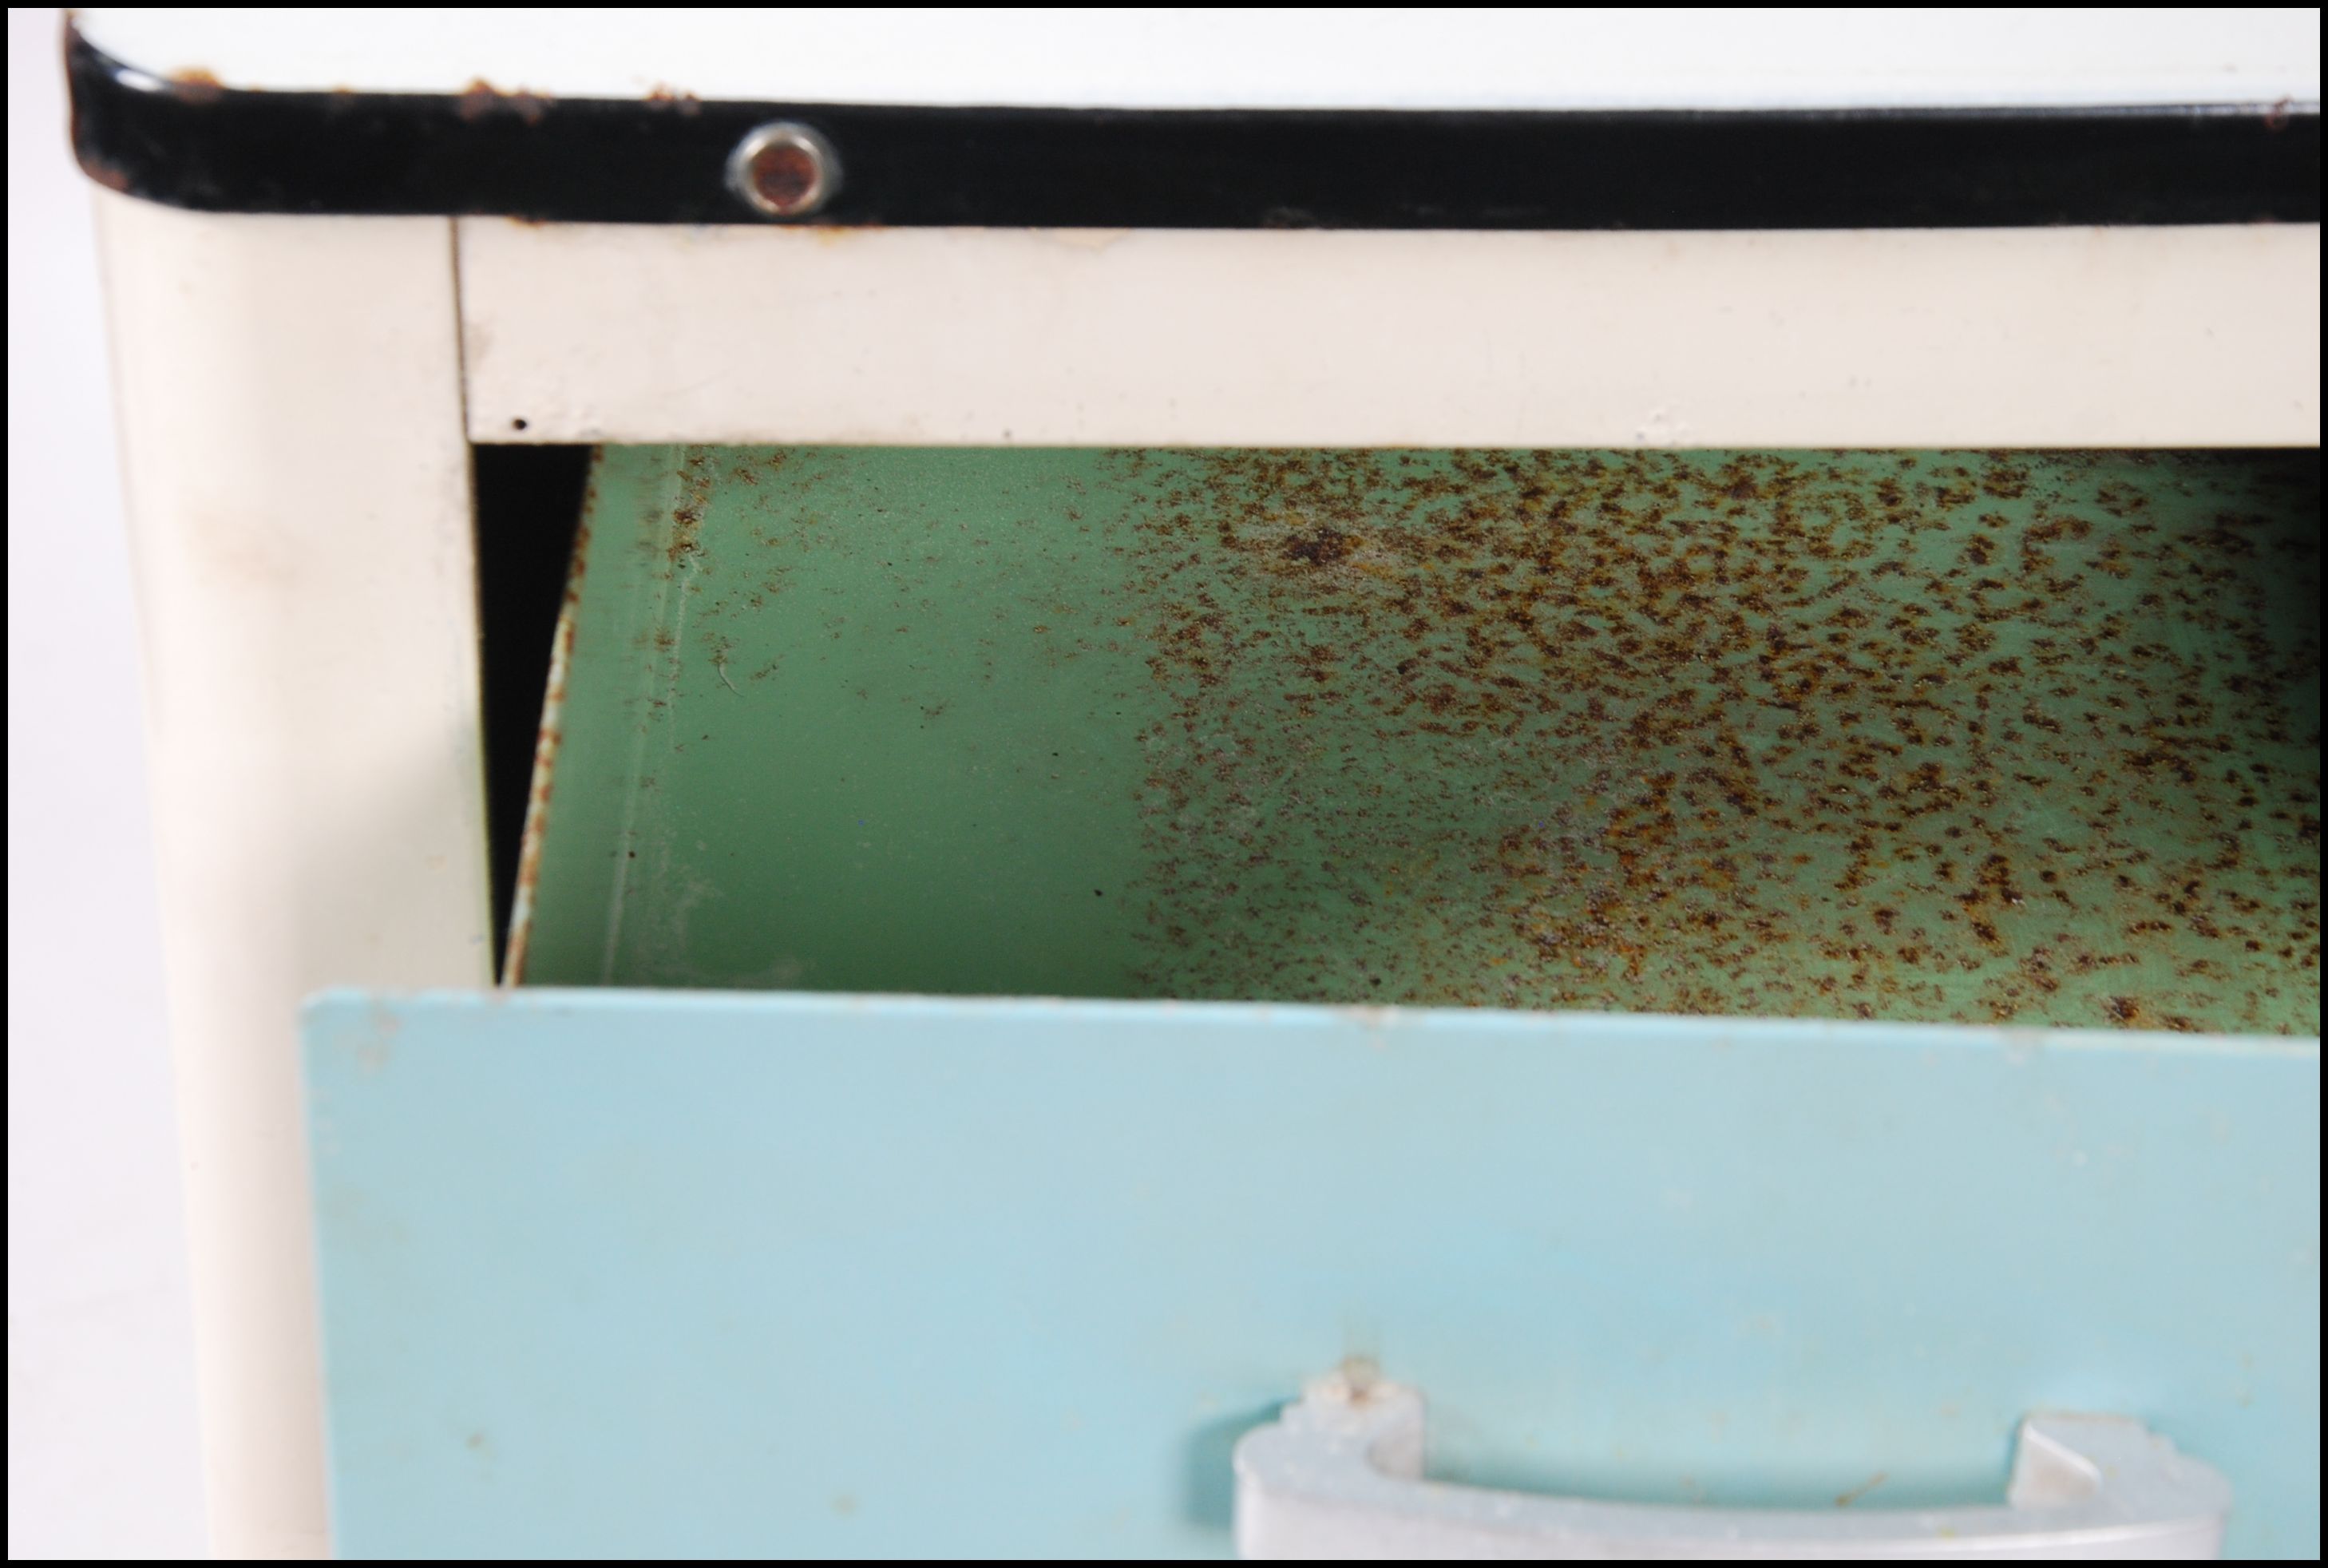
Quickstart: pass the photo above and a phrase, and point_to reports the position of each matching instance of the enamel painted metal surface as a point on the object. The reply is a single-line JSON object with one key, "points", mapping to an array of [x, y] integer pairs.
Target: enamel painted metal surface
{"points": [[615, 1272], [1263, 58], [2050, 337], [1927, 737], [297, 485]]}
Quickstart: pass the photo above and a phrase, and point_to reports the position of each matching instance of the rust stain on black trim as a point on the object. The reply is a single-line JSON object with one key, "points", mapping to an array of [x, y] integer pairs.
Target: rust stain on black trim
{"points": [[196, 85], [481, 99]]}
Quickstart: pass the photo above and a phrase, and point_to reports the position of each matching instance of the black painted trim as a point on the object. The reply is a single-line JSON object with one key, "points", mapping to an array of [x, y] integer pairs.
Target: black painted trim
{"points": [[662, 161]]}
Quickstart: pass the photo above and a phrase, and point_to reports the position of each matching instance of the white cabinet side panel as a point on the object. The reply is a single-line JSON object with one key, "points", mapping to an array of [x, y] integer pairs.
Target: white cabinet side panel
{"points": [[298, 493]]}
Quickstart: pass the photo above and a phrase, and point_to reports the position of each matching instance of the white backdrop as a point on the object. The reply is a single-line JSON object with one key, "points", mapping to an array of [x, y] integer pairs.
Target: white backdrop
{"points": [[102, 1453]]}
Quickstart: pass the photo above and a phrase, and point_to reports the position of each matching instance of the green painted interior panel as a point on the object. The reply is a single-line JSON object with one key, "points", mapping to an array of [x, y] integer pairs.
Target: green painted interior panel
{"points": [[1948, 737]]}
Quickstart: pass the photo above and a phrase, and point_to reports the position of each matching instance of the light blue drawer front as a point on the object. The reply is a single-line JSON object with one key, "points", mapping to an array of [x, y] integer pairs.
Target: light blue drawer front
{"points": [[656, 1273]]}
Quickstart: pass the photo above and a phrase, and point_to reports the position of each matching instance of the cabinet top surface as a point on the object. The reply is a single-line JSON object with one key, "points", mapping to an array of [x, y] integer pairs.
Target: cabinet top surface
{"points": [[1200, 59]]}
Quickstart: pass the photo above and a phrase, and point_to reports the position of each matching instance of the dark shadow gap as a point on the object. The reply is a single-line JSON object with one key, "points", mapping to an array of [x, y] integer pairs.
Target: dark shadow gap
{"points": [[529, 504]]}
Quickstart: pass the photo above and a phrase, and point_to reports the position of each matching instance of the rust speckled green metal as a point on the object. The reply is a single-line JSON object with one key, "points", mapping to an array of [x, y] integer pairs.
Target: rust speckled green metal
{"points": [[2019, 738]]}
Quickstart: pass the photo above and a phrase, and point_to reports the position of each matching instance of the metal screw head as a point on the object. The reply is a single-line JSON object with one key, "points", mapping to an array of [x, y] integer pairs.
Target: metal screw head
{"points": [[784, 170]]}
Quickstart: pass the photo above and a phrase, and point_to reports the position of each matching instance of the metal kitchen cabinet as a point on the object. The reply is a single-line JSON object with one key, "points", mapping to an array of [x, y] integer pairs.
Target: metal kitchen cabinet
{"points": [[1253, 722]]}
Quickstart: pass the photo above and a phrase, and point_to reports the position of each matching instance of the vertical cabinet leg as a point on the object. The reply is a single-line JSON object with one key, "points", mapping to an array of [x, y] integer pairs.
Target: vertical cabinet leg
{"points": [[298, 486]]}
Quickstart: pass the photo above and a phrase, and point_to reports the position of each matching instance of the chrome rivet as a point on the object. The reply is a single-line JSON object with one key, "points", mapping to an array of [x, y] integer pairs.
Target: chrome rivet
{"points": [[784, 170]]}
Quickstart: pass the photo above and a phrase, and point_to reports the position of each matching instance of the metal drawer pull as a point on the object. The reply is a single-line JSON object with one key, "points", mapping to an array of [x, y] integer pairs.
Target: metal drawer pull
{"points": [[1340, 1475]]}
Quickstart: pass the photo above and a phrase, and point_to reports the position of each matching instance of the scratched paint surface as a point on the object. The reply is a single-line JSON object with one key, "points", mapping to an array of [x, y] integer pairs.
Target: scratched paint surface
{"points": [[2024, 737]]}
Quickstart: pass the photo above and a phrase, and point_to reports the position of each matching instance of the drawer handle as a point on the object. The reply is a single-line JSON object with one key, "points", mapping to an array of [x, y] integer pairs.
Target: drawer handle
{"points": [[1339, 1474]]}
